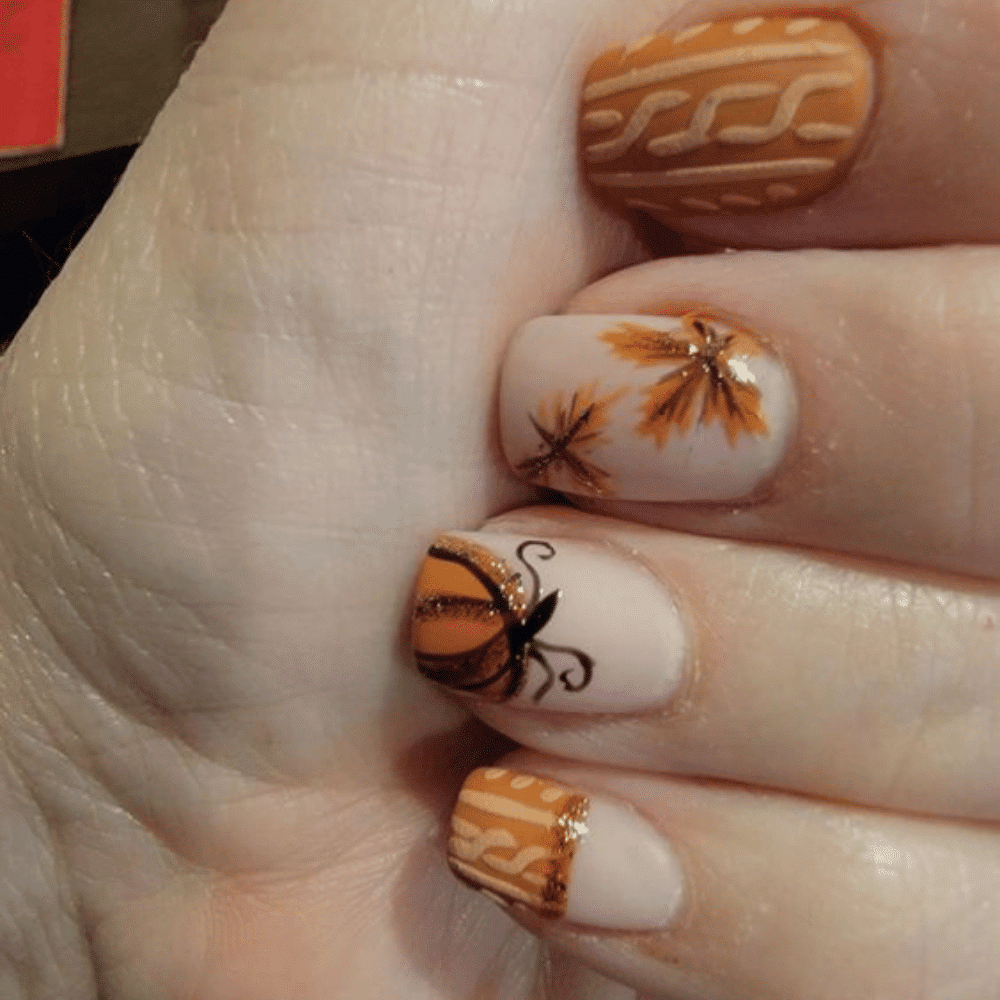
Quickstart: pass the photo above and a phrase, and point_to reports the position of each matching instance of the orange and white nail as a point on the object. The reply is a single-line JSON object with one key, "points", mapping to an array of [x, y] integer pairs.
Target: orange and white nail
{"points": [[737, 116], [557, 624], [688, 407], [525, 840]]}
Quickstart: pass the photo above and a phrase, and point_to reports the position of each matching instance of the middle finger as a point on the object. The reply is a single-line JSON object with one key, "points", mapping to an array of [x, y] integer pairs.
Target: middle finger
{"points": [[854, 409]]}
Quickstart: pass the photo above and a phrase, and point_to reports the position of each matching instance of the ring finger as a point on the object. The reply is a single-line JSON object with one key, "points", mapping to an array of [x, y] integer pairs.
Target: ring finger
{"points": [[629, 646]]}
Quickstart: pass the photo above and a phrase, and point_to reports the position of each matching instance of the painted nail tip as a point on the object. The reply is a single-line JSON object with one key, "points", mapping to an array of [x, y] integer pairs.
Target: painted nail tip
{"points": [[526, 840], [686, 124], [551, 624], [515, 834]]}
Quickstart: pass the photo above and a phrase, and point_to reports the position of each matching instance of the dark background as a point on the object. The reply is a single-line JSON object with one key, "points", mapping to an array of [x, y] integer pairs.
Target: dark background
{"points": [[125, 58]]}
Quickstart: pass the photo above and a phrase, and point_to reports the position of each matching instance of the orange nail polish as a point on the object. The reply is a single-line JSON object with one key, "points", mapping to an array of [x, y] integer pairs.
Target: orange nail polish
{"points": [[738, 116], [525, 840]]}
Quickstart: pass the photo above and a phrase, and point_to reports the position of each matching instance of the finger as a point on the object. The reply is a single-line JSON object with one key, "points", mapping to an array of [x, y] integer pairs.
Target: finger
{"points": [[778, 128], [565, 978], [834, 400], [720, 893], [684, 655]]}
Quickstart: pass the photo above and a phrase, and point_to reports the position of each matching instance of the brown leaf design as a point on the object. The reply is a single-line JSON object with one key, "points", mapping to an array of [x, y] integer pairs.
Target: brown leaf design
{"points": [[569, 431], [709, 384]]}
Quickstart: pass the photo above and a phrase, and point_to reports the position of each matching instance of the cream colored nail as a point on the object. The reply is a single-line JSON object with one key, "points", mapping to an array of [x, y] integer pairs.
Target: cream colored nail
{"points": [[736, 116], [566, 626], [687, 407], [523, 839]]}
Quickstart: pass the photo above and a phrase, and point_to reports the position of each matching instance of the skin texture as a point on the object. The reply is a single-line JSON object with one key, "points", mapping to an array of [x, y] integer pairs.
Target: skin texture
{"points": [[260, 388]]}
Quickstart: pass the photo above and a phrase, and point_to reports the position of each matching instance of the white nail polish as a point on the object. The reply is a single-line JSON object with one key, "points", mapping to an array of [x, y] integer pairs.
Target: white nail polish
{"points": [[692, 407], [587, 859], [624, 874], [562, 625]]}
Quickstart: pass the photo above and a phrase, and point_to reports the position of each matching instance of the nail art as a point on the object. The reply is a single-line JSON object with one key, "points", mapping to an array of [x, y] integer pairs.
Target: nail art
{"points": [[525, 840], [710, 383], [569, 431], [562, 625], [689, 407], [731, 117]]}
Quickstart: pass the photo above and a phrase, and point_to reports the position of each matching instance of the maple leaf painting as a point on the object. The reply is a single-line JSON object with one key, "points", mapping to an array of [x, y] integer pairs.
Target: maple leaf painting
{"points": [[569, 431], [709, 383]]}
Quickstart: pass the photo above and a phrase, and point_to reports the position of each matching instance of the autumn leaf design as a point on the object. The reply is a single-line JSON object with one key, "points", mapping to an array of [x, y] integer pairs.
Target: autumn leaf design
{"points": [[710, 383], [569, 432]]}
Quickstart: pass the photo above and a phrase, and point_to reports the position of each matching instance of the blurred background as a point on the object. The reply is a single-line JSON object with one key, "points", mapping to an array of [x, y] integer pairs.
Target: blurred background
{"points": [[124, 59]]}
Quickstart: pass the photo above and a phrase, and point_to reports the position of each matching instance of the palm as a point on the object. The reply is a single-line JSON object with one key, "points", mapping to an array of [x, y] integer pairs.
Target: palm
{"points": [[261, 387]]}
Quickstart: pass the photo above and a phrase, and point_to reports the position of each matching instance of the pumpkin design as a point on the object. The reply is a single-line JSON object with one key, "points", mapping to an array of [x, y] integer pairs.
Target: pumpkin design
{"points": [[475, 628]]}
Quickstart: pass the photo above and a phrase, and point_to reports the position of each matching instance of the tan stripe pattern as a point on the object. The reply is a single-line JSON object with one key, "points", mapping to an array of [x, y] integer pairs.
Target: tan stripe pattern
{"points": [[513, 835], [702, 120]]}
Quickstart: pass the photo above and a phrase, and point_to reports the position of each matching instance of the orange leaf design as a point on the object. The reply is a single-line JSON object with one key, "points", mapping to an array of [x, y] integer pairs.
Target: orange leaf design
{"points": [[709, 384], [569, 431], [645, 346]]}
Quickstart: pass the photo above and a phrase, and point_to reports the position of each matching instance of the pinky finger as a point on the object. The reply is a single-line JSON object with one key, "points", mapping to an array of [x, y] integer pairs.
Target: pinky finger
{"points": [[702, 892]]}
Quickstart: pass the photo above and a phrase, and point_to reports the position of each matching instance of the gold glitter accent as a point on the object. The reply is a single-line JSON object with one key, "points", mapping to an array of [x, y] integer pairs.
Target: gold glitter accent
{"points": [[489, 564], [570, 825]]}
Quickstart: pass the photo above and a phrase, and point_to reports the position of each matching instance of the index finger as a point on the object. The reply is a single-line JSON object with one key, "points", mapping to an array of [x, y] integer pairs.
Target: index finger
{"points": [[864, 124]]}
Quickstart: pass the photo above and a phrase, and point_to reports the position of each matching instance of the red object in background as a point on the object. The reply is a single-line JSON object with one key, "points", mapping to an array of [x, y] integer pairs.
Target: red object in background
{"points": [[33, 42]]}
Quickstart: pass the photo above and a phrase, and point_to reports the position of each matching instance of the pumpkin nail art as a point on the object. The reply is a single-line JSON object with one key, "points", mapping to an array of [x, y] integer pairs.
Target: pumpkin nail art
{"points": [[731, 117], [691, 406], [552, 623], [525, 840]]}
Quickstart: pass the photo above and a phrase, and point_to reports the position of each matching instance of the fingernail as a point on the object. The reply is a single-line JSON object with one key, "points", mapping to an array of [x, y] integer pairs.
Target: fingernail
{"points": [[562, 625], [692, 407], [729, 117], [520, 838]]}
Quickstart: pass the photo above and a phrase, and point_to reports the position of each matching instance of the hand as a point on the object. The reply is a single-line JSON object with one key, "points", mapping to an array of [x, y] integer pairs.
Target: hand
{"points": [[228, 432], [257, 391]]}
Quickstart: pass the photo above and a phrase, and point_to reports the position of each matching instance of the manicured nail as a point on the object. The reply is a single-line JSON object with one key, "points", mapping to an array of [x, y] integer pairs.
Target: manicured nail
{"points": [[563, 625], [692, 407], [729, 117], [527, 840]]}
